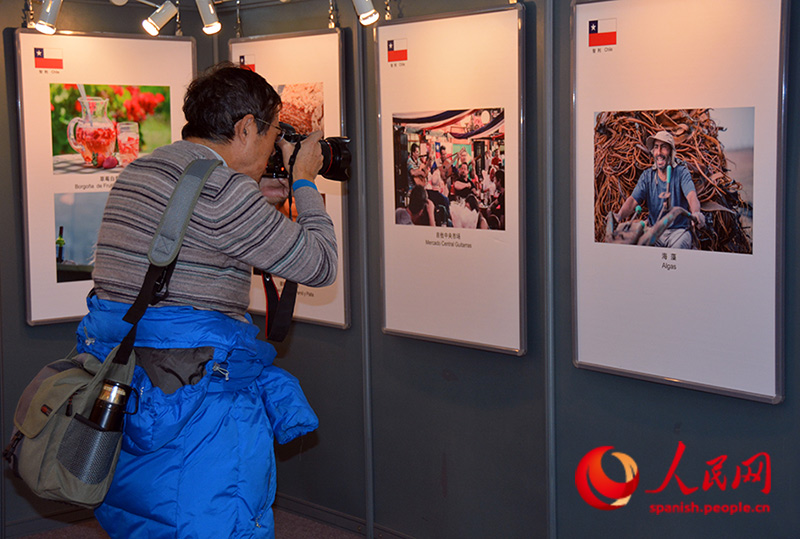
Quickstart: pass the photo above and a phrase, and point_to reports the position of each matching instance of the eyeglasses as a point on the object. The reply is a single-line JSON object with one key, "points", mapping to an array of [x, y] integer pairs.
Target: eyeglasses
{"points": [[280, 136]]}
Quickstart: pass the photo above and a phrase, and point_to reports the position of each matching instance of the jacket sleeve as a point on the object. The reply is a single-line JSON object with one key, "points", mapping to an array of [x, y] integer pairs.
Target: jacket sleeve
{"points": [[287, 408]]}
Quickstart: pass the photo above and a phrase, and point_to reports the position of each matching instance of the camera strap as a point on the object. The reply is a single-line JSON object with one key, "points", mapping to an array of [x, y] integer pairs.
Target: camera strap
{"points": [[280, 308]]}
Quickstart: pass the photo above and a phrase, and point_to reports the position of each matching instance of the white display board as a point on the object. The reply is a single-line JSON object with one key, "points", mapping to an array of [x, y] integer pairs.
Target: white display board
{"points": [[709, 317], [65, 189], [456, 273], [306, 68]]}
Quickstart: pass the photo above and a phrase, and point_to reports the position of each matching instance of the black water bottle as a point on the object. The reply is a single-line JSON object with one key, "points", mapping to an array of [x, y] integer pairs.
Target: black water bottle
{"points": [[109, 407]]}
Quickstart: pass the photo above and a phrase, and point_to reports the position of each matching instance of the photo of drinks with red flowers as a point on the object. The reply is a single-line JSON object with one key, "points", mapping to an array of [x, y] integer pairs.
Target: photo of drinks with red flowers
{"points": [[102, 127]]}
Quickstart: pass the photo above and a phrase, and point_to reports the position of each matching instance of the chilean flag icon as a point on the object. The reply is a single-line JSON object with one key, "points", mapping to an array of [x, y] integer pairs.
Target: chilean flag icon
{"points": [[248, 61], [602, 32], [398, 50], [48, 58]]}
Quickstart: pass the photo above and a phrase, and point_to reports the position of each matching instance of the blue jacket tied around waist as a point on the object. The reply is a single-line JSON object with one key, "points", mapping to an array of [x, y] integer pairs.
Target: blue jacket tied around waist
{"points": [[197, 462]]}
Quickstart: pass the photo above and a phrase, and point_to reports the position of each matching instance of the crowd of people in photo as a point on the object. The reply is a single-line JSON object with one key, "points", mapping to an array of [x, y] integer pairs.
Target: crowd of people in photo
{"points": [[447, 187]]}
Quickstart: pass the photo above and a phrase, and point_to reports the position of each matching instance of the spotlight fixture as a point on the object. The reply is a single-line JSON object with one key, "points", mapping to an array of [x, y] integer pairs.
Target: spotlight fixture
{"points": [[366, 12], [211, 23], [47, 19], [155, 22]]}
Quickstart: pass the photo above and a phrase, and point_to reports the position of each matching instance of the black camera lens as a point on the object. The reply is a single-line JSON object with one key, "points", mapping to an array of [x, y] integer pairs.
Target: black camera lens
{"points": [[336, 156]]}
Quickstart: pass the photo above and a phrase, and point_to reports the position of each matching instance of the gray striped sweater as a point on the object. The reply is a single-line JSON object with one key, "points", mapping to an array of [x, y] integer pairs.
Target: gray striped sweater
{"points": [[233, 229]]}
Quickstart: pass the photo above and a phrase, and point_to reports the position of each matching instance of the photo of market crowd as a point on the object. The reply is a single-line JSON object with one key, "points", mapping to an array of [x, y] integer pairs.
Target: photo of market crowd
{"points": [[449, 169]]}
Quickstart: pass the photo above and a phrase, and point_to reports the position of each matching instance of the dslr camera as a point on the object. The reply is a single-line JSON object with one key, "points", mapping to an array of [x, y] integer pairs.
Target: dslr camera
{"points": [[336, 156]]}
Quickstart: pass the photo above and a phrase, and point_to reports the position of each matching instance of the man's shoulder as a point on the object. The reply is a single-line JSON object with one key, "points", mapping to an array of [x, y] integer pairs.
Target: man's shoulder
{"points": [[179, 153], [681, 173], [186, 151], [168, 163], [682, 167]]}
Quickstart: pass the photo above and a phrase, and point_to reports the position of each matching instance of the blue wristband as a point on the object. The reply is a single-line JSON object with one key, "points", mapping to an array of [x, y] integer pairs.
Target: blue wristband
{"points": [[297, 184]]}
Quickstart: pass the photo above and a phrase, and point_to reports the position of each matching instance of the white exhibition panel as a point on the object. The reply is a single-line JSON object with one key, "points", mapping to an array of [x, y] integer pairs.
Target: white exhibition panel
{"points": [[707, 320], [458, 285], [276, 59], [89, 59]]}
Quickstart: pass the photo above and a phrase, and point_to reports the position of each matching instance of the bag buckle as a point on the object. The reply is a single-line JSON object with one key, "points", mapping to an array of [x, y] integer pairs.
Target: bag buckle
{"points": [[10, 452], [161, 286]]}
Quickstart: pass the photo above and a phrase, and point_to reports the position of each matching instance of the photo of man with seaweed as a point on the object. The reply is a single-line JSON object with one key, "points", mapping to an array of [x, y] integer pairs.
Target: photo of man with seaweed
{"points": [[680, 179]]}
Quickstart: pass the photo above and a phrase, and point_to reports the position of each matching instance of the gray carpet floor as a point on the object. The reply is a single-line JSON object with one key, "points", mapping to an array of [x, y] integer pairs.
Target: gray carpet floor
{"points": [[287, 526]]}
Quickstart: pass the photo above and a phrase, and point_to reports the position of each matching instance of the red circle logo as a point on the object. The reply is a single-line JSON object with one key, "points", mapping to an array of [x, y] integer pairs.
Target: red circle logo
{"points": [[592, 481]]}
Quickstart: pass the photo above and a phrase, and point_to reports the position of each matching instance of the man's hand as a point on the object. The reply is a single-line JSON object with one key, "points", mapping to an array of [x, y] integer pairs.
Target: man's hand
{"points": [[275, 190], [626, 210], [699, 219], [309, 159]]}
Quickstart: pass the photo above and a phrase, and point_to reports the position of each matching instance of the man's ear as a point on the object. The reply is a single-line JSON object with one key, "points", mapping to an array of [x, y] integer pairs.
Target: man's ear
{"points": [[243, 127]]}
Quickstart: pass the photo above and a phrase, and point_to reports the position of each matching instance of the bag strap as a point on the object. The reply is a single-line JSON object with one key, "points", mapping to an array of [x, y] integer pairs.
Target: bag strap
{"points": [[165, 246]]}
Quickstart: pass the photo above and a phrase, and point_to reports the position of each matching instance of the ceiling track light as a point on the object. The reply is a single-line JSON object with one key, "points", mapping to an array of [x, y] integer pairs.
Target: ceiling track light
{"points": [[208, 13], [155, 22], [47, 19], [366, 12]]}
